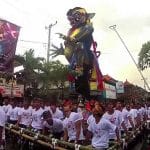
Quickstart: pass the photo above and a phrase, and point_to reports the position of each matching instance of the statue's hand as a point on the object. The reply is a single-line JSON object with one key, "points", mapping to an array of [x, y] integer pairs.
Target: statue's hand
{"points": [[66, 38], [62, 36], [57, 50]]}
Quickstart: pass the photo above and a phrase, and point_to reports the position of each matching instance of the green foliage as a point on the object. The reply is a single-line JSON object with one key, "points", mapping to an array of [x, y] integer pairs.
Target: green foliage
{"points": [[54, 73], [40, 74], [144, 56], [31, 67], [31, 63]]}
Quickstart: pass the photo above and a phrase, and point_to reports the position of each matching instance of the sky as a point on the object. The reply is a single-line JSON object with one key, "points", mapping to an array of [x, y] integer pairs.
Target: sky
{"points": [[131, 17]]}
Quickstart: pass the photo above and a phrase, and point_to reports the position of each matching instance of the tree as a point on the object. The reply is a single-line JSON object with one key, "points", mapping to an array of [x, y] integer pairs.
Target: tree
{"points": [[144, 56], [53, 75], [40, 74], [32, 66]]}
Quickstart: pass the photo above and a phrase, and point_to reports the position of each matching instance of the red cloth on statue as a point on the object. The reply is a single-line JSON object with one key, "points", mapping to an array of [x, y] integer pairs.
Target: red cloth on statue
{"points": [[70, 78], [96, 65]]}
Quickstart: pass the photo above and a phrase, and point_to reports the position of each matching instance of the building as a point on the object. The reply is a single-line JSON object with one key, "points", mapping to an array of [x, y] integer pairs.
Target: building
{"points": [[132, 93]]}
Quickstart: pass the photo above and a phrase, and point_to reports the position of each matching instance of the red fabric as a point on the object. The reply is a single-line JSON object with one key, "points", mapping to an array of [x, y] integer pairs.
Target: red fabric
{"points": [[70, 78], [99, 76], [67, 102], [97, 53], [2, 90], [89, 105], [96, 65]]}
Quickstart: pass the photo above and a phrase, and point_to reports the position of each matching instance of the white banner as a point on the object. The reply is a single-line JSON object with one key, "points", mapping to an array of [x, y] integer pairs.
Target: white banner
{"points": [[120, 87], [110, 91]]}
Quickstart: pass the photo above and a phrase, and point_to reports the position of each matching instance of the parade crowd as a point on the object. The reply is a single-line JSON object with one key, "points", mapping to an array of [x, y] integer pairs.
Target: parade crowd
{"points": [[90, 123]]}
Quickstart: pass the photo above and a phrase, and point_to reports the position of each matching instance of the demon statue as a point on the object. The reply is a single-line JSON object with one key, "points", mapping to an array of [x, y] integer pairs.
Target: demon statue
{"points": [[77, 50]]}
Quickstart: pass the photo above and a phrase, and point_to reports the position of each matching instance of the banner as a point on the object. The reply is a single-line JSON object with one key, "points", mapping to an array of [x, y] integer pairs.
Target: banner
{"points": [[110, 91], [120, 87], [9, 33]]}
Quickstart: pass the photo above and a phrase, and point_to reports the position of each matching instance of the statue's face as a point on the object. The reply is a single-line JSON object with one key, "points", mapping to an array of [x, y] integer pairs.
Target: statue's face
{"points": [[76, 18]]}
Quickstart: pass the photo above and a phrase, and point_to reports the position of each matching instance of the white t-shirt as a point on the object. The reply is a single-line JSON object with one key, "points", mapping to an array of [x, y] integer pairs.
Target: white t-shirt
{"points": [[69, 124], [6, 108], [143, 110], [90, 119], [25, 115], [57, 126], [116, 119], [142, 113], [2, 117], [47, 108], [125, 114], [133, 113], [58, 114], [13, 113], [100, 132], [37, 122], [148, 112]]}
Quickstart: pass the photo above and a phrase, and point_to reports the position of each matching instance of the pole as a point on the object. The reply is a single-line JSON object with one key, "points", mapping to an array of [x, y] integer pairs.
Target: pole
{"points": [[49, 39], [144, 83], [113, 27]]}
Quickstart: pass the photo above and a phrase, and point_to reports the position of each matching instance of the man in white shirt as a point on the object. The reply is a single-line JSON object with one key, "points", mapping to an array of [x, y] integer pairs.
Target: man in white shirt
{"points": [[37, 115], [53, 125], [13, 113], [134, 114], [47, 106], [2, 125], [148, 111], [127, 118], [72, 123], [6, 106], [116, 118], [99, 130], [143, 109], [24, 115], [56, 113]]}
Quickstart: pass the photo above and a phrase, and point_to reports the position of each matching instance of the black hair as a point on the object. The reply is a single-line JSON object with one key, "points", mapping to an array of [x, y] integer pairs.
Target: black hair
{"points": [[69, 12], [46, 114], [37, 99]]}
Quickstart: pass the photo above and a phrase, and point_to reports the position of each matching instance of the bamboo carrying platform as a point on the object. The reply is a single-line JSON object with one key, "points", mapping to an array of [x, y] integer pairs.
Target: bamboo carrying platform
{"points": [[62, 145]]}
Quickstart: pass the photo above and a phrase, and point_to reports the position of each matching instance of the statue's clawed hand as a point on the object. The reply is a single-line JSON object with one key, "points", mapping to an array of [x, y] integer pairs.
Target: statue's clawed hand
{"points": [[57, 50]]}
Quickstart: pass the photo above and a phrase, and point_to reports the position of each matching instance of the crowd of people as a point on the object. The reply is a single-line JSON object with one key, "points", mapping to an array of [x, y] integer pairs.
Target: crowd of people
{"points": [[91, 123]]}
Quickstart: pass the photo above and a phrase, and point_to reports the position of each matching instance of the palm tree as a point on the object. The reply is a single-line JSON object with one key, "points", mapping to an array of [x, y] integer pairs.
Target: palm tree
{"points": [[39, 73], [54, 75], [144, 56], [32, 66]]}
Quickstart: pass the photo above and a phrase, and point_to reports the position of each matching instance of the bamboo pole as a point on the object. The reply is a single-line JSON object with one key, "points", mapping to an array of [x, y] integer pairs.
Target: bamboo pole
{"points": [[33, 140], [41, 137], [62, 145]]}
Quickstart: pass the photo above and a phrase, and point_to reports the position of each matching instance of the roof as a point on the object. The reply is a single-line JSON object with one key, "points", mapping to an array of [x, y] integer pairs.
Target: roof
{"points": [[126, 83], [109, 79]]}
